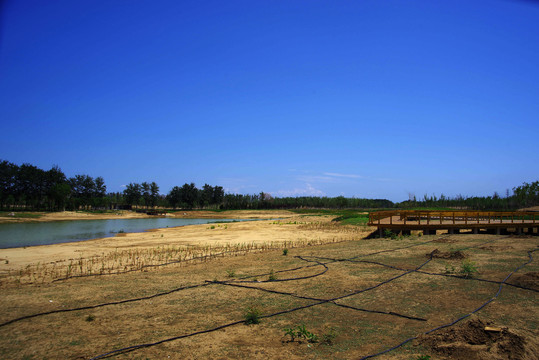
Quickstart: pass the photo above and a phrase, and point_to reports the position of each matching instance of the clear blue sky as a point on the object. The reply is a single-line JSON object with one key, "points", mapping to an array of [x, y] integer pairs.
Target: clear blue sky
{"points": [[374, 99]]}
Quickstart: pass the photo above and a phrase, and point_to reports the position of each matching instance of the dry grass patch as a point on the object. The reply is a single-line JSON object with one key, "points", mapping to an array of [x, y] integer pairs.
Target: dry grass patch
{"points": [[328, 289]]}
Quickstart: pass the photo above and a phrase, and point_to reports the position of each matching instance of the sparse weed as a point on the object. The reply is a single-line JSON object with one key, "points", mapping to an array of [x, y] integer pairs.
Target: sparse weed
{"points": [[252, 315], [285, 252], [272, 276], [90, 318], [230, 273], [301, 332], [468, 269]]}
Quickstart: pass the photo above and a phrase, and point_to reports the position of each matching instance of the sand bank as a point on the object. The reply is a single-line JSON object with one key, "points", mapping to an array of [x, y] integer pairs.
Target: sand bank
{"points": [[291, 228]]}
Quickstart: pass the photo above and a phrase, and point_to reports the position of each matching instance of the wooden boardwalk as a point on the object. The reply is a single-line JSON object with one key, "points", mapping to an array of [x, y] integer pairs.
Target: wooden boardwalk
{"points": [[455, 221]]}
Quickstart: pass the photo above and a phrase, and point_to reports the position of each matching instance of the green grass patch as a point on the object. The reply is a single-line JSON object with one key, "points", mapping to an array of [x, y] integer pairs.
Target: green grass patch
{"points": [[353, 219]]}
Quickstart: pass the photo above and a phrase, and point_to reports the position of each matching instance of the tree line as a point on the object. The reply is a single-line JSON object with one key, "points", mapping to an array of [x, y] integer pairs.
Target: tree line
{"points": [[525, 195], [27, 187]]}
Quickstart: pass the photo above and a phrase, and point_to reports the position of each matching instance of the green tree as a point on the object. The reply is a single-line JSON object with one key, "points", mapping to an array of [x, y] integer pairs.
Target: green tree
{"points": [[206, 195], [146, 195], [189, 195], [8, 173], [174, 197], [154, 194], [132, 193]]}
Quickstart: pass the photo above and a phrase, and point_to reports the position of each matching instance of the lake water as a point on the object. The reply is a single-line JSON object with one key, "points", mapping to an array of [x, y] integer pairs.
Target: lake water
{"points": [[46, 233]]}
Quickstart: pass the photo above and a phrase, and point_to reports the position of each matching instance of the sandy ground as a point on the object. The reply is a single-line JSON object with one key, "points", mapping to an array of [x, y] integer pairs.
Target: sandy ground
{"points": [[291, 228]]}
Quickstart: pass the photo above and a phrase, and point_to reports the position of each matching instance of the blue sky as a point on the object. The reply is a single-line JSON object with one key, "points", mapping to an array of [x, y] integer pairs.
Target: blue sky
{"points": [[374, 99]]}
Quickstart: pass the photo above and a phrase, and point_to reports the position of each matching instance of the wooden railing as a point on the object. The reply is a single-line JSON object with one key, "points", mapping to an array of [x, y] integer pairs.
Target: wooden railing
{"points": [[423, 217]]}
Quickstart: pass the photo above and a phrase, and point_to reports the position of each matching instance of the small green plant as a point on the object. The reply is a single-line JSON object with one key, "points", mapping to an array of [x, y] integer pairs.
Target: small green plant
{"points": [[90, 318], [300, 332], [468, 269], [290, 332], [423, 357], [7, 261], [272, 276], [252, 316], [285, 252], [212, 227], [449, 269], [231, 273]]}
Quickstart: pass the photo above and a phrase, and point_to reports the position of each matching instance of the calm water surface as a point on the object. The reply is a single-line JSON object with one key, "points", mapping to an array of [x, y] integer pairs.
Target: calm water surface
{"points": [[46, 233]]}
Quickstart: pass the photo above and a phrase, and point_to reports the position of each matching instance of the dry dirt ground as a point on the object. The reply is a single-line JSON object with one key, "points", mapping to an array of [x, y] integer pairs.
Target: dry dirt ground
{"points": [[358, 296]]}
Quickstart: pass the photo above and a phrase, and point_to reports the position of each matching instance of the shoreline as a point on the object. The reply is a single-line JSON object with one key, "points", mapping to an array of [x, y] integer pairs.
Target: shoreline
{"points": [[128, 214], [243, 232]]}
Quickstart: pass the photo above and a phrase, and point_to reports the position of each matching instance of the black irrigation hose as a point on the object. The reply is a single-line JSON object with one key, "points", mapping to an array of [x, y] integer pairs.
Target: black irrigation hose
{"points": [[240, 280], [318, 264], [140, 346], [132, 348], [103, 304], [331, 260], [430, 273], [321, 301], [462, 317], [138, 299], [135, 347]]}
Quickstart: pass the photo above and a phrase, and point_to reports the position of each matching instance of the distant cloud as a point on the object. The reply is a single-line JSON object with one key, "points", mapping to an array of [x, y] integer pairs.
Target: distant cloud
{"points": [[328, 177], [309, 190], [315, 178], [351, 176]]}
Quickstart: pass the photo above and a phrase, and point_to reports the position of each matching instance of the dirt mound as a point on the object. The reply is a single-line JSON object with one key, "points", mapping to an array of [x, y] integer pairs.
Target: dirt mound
{"points": [[446, 254], [476, 340], [528, 280]]}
